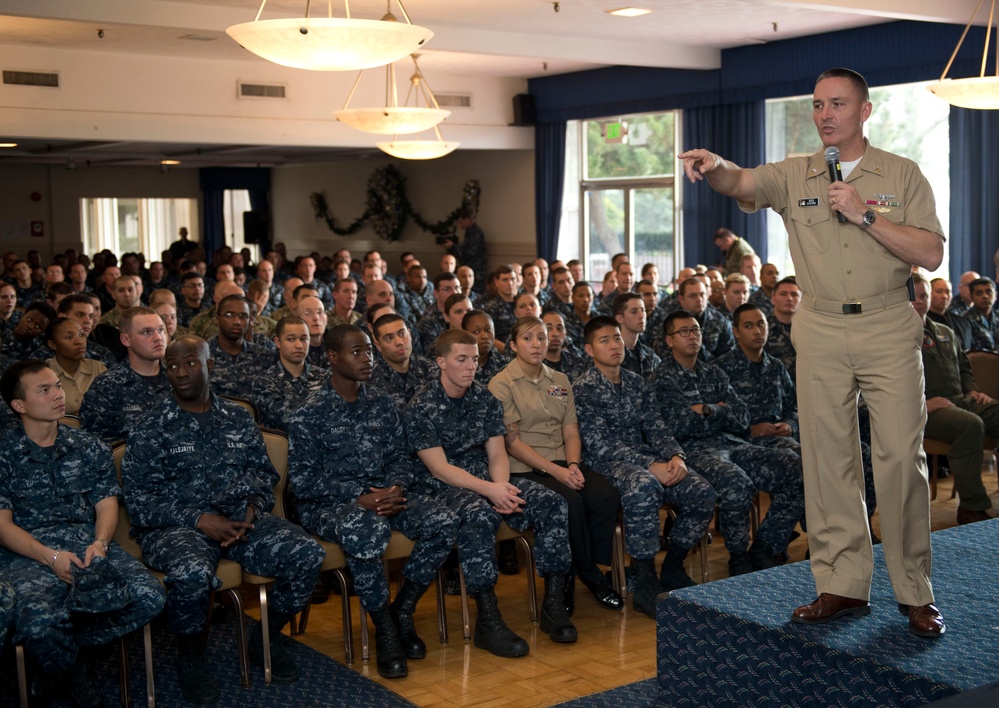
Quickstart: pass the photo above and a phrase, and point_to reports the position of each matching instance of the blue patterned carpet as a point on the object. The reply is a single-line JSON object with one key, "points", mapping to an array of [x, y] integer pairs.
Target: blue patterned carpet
{"points": [[322, 682], [731, 641]]}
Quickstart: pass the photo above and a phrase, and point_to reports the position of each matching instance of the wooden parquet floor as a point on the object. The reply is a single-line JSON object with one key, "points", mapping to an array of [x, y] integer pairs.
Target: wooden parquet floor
{"points": [[614, 649]]}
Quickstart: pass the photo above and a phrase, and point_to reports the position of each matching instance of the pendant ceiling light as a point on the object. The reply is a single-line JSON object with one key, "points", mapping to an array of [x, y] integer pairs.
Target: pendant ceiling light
{"points": [[419, 149], [393, 119], [331, 43], [981, 92]]}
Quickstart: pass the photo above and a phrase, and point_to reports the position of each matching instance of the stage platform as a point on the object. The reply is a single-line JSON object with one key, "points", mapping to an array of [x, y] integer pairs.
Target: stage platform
{"points": [[731, 642]]}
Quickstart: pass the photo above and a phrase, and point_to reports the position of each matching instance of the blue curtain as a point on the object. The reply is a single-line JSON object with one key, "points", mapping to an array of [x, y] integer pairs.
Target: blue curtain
{"points": [[214, 182], [974, 208], [737, 133], [549, 180]]}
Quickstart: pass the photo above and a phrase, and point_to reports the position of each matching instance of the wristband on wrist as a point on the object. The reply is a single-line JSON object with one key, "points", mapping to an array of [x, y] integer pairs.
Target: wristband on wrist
{"points": [[104, 543]]}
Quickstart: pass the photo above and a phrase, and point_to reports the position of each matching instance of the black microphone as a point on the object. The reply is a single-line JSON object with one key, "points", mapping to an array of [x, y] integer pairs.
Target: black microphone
{"points": [[835, 173]]}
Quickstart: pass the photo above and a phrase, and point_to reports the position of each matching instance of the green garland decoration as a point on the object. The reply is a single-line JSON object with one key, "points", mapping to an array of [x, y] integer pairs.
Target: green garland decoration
{"points": [[388, 208]]}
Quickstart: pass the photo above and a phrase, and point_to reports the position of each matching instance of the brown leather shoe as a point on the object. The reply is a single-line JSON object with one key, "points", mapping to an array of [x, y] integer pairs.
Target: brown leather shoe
{"points": [[925, 620], [829, 607], [968, 516]]}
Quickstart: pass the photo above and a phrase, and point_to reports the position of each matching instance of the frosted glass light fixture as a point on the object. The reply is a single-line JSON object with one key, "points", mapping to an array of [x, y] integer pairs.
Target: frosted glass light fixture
{"points": [[331, 43]]}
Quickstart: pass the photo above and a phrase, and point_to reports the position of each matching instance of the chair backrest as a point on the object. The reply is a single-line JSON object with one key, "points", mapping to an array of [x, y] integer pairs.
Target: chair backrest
{"points": [[277, 451], [248, 405], [985, 366]]}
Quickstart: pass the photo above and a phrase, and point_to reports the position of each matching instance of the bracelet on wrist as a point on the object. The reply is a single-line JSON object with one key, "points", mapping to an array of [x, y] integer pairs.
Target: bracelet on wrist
{"points": [[104, 543], [53, 561]]}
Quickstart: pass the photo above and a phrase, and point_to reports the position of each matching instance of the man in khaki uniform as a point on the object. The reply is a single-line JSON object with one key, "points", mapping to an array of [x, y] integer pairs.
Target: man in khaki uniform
{"points": [[855, 333]]}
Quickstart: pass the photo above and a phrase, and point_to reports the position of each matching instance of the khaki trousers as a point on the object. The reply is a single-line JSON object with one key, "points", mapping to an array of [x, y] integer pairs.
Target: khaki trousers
{"points": [[876, 354]]}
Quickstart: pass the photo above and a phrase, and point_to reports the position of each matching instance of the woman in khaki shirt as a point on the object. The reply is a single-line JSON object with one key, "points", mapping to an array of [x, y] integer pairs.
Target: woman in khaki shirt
{"points": [[543, 442], [74, 370]]}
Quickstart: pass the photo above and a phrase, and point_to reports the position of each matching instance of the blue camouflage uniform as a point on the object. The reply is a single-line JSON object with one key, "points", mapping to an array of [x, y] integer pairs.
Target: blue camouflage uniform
{"points": [[461, 426], [622, 435], [504, 316], [496, 362], [402, 387], [430, 327], [234, 375], [51, 493], [984, 329], [641, 360], [420, 303], [6, 610], [339, 451], [278, 395], [118, 398], [779, 344], [176, 468], [734, 467], [761, 300], [768, 392], [186, 313], [572, 364], [13, 349]]}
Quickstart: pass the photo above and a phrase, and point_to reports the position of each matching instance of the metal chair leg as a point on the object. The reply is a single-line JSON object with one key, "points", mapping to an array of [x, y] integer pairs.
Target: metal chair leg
{"points": [[618, 555], [532, 592], [466, 622], [124, 690], [265, 633], [244, 658], [348, 632], [147, 645], [22, 677], [441, 607]]}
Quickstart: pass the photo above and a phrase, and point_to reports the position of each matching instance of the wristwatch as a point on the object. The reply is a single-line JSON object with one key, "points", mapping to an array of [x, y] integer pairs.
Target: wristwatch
{"points": [[681, 456], [869, 217]]}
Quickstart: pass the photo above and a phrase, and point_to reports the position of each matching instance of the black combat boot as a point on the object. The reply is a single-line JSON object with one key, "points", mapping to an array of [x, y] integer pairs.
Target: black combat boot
{"points": [[673, 576], [80, 686], [491, 632], [197, 683], [389, 656], [761, 557], [646, 587], [555, 620], [403, 608], [283, 667]]}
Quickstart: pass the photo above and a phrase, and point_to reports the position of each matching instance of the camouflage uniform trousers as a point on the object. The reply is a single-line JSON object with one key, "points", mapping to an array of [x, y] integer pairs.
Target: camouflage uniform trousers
{"points": [[364, 537], [642, 496], [544, 511], [6, 610], [51, 634], [737, 472], [274, 547]]}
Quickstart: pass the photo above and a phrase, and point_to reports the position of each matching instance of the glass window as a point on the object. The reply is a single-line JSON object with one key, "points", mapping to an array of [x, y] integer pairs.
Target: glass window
{"points": [[148, 226], [619, 193]]}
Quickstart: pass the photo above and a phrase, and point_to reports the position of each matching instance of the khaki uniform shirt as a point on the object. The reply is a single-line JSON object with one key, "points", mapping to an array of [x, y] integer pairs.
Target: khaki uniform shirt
{"points": [[541, 408], [841, 262], [74, 386]]}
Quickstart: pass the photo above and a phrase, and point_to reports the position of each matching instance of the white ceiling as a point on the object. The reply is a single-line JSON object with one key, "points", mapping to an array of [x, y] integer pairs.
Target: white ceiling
{"points": [[505, 38]]}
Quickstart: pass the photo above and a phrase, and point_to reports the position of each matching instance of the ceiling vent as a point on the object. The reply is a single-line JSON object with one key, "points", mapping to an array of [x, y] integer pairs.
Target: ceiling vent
{"points": [[260, 90], [31, 78], [454, 100]]}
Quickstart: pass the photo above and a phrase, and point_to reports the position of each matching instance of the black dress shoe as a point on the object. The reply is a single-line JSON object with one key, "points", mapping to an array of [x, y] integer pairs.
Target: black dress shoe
{"points": [[606, 595]]}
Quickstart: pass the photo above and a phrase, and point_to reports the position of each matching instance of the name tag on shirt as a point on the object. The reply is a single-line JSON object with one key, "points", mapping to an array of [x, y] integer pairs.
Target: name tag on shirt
{"points": [[812, 201]]}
